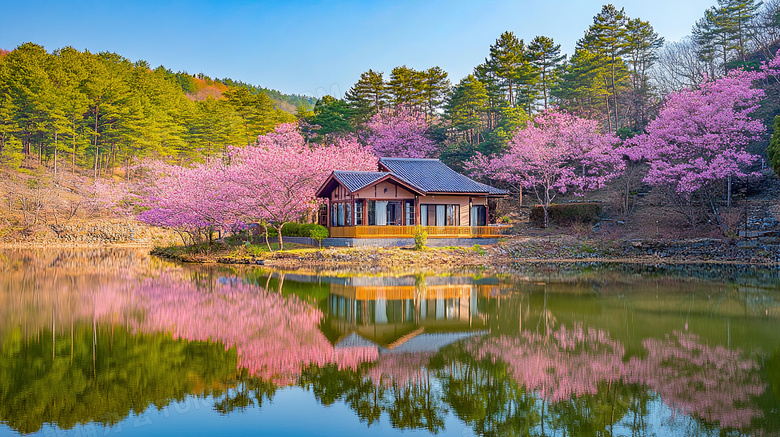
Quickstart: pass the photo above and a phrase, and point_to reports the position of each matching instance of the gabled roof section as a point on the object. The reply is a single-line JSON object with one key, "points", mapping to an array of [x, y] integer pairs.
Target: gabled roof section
{"points": [[432, 176], [357, 180]]}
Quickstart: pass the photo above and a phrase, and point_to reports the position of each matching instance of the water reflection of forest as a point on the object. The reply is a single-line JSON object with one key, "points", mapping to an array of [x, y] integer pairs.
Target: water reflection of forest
{"points": [[505, 355]]}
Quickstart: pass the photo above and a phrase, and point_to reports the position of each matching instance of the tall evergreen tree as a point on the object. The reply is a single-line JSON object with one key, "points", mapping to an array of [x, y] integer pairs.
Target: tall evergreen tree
{"points": [[585, 86], [405, 86], [773, 151], [435, 87], [465, 107], [256, 110], [495, 96], [72, 74], [546, 56], [215, 126], [332, 117], [506, 56], [367, 96], [607, 37], [738, 15], [642, 45]]}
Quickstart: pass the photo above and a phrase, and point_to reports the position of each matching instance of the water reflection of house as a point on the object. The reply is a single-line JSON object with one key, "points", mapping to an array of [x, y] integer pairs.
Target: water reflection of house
{"points": [[392, 311]]}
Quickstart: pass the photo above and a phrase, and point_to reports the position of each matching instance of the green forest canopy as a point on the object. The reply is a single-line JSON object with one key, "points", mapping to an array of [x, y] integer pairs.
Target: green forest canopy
{"points": [[102, 111]]}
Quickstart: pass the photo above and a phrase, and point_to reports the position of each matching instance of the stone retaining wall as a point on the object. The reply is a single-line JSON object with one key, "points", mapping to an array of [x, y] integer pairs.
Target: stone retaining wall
{"points": [[391, 242]]}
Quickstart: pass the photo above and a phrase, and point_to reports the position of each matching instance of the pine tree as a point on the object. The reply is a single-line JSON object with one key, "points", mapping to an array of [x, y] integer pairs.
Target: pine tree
{"points": [[607, 37], [255, 109], [367, 96], [506, 56], [585, 85], [642, 45], [215, 126], [435, 88], [739, 14], [405, 87], [331, 117], [495, 96], [465, 106], [72, 73], [546, 56]]}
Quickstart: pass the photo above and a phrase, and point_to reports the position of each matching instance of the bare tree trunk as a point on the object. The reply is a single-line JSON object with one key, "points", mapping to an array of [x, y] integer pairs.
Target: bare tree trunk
{"points": [[614, 95], [728, 194], [113, 157], [73, 155], [96, 159], [55, 155], [96, 141]]}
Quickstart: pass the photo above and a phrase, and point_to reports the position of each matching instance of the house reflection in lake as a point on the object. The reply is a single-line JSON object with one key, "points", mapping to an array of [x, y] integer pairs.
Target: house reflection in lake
{"points": [[395, 313]]}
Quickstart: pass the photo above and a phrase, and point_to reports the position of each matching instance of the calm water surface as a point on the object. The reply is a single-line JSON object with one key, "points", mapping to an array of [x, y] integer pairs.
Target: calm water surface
{"points": [[114, 342]]}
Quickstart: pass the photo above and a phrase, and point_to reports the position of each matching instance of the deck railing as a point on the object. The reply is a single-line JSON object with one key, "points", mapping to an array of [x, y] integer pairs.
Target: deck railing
{"points": [[408, 231]]}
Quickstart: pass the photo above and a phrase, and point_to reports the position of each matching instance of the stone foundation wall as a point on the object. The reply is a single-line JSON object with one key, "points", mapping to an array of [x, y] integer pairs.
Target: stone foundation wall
{"points": [[391, 242]]}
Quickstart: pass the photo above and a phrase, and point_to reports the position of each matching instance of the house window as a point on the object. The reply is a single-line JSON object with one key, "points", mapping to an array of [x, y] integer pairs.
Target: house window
{"points": [[322, 215], [440, 215], [394, 213], [341, 214], [452, 215], [334, 216], [359, 213], [409, 212], [372, 212], [478, 216], [381, 212], [348, 213]]}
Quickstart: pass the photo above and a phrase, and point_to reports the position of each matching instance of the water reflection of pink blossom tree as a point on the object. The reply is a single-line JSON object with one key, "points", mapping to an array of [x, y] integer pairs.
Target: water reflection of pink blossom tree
{"points": [[275, 336], [568, 363], [400, 369], [713, 383]]}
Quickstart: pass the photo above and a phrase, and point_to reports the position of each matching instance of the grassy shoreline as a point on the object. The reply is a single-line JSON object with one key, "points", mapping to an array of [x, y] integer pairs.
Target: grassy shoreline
{"points": [[499, 257], [496, 257]]}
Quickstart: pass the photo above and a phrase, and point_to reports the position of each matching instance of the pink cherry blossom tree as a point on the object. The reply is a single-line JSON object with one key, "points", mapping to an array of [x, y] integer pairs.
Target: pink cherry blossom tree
{"points": [[400, 132], [555, 153], [275, 180], [700, 136], [193, 201], [699, 139], [272, 182]]}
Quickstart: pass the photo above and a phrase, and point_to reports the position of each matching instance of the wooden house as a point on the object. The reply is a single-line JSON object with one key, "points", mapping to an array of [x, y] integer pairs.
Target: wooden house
{"points": [[404, 193]]}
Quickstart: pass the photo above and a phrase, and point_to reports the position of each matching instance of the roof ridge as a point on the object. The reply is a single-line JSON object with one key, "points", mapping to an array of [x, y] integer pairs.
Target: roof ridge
{"points": [[359, 171], [408, 159]]}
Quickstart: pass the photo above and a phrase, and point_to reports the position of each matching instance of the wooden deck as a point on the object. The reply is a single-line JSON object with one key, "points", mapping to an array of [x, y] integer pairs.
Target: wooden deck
{"points": [[408, 231]]}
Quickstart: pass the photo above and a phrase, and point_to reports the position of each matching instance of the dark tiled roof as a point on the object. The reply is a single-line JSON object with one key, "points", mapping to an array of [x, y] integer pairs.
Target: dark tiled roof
{"points": [[431, 175], [355, 180]]}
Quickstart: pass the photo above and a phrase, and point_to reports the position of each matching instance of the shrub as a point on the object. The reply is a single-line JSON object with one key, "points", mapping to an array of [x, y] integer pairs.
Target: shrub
{"points": [[567, 213], [297, 230], [291, 230], [420, 238], [319, 233], [305, 229]]}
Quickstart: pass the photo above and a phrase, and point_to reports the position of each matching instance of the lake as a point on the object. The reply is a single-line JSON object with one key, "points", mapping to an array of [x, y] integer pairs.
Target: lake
{"points": [[99, 342]]}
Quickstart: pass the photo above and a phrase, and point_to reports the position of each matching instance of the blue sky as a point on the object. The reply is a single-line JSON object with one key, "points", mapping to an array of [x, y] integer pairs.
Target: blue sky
{"points": [[316, 47]]}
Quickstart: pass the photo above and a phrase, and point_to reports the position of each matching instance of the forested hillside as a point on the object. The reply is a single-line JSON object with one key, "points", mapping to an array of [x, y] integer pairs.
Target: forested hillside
{"points": [[688, 122], [619, 75], [102, 111]]}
